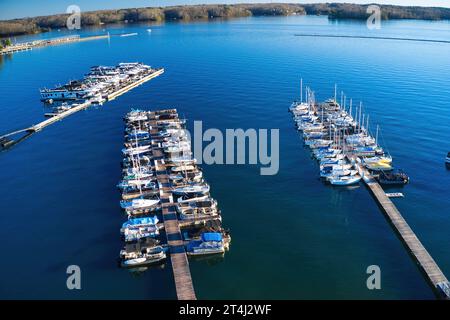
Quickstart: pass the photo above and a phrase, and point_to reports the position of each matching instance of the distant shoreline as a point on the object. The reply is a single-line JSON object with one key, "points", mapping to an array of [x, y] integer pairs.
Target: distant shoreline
{"points": [[371, 37], [41, 24]]}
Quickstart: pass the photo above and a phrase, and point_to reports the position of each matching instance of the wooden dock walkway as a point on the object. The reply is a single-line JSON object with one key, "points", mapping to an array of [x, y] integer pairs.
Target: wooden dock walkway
{"points": [[48, 42], [426, 263], [180, 264]]}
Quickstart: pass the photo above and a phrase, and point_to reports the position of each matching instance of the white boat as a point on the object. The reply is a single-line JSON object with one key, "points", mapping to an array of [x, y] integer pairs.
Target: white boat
{"points": [[210, 243], [182, 168], [192, 189], [447, 159], [62, 93], [385, 159], [336, 166], [139, 204], [138, 175], [141, 259], [188, 160], [297, 105], [136, 150], [195, 199], [133, 234], [191, 176], [136, 183], [342, 173], [171, 143], [334, 173], [345, 180], [177, 149]]}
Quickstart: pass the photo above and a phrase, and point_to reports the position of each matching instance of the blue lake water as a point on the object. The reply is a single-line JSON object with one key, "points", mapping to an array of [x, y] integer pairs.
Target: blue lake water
{"points": [[293, 237]]}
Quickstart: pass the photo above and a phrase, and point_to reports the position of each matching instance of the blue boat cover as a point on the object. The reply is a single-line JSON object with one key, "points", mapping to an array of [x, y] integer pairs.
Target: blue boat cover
{"points": [[211, 236], [191, 245], [146, 220]]}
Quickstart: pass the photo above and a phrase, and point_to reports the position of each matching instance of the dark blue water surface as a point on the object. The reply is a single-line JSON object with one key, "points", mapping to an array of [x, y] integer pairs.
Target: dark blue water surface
{"points": [[293, 237]]}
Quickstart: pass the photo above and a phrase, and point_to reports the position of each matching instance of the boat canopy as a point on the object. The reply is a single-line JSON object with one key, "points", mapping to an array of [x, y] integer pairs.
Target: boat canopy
{"points": [[193, 244], [211, 236]]}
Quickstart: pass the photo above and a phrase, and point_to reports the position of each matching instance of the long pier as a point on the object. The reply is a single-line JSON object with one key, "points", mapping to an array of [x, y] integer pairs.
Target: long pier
{"points": [[41, 125], [180, 264], [425, 261], [48, 42]]}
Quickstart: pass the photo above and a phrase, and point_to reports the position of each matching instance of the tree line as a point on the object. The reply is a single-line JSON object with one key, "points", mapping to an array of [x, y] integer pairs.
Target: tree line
{"points": [[204, 12]]}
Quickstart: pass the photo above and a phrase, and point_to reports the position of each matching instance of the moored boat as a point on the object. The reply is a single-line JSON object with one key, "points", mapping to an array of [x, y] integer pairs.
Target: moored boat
{"points": [[344, 180], [210, 243]]}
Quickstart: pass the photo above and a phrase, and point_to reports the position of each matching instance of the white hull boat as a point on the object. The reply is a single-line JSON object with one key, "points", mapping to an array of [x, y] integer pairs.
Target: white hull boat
{"points": [[345, 181]]}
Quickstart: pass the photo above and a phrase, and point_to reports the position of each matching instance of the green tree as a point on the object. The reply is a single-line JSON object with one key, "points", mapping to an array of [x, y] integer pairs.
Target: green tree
{"points": [[7, 42]]}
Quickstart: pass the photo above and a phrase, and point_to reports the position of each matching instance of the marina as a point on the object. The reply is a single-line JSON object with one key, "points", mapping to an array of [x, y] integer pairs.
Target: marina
{"points": [[347, 153], [292, 234], [162, 182], [102, 84]]}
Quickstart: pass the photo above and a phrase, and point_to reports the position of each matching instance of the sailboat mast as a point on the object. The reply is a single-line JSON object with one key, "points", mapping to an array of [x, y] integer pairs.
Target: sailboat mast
{"points": [[376, 136], [335, 93], [359, 118], [350, 109], [367, 126], [362, 123], [138, 160], [301, 90]]}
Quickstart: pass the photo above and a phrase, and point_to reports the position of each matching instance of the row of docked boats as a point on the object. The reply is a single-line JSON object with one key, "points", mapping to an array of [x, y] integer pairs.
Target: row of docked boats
{"points": [[154, 141], [140, 200], [339, 140], [189, 189], [98, 83]]}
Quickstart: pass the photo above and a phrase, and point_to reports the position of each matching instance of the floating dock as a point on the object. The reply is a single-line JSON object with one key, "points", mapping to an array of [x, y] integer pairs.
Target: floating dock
{"points": [[48, 42], [178, 257]]}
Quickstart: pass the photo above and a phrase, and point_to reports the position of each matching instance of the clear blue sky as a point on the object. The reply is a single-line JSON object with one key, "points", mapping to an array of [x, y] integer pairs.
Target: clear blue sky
{"points": [[10, 9]]}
